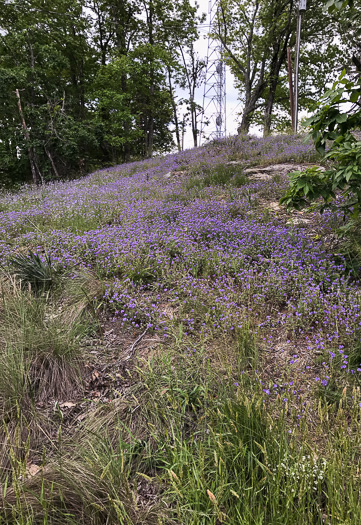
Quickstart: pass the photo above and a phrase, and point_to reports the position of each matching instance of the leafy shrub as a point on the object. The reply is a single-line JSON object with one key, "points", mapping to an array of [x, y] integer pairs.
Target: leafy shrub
{"points": [[331, 126], [313, 183], [239, 179]]}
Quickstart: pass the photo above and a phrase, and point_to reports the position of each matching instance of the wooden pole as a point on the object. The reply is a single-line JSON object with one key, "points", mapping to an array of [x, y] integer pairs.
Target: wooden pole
{"points": [[290, 82], [297, 60]]}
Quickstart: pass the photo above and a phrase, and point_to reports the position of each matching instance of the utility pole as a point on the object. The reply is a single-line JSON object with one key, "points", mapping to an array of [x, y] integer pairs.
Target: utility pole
{"points": [[290, 82], [301, 9], [214, 98]]}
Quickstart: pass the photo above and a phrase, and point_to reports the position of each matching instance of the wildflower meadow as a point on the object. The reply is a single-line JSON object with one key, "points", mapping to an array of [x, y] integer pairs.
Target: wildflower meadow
{"points": [[178, 348]]}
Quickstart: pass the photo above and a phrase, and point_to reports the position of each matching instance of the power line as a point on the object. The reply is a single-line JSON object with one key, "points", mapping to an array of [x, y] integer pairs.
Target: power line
{"points": [[234, 110]]}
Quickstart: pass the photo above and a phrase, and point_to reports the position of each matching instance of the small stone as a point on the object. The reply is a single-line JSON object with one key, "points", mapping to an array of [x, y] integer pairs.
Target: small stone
{"points": [[297, 221]]}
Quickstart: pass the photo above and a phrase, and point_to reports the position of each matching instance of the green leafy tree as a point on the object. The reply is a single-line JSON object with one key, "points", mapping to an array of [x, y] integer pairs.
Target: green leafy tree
{"points": [[346, 15], [239, 27], [255, 36], [46, 66], [168, 26], [150, 33], [192, 72], [128, 111], [83, 82]]}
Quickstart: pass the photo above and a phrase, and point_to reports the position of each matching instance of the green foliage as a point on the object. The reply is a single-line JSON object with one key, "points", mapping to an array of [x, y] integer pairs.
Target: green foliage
{"points": [[255, 36], [306, 186], [143, 272], [220, 175], [91, 79], [331, 126], [333, 119], [336, 5], [350, 249]]}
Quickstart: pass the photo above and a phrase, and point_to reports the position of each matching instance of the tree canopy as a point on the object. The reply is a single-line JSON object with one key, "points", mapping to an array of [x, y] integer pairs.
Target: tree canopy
{"points": [[83, 82], [90, 83]]}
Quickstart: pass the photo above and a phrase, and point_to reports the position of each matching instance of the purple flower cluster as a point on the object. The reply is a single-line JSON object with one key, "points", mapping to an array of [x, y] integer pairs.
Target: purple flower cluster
{"points": [[212, 259]]}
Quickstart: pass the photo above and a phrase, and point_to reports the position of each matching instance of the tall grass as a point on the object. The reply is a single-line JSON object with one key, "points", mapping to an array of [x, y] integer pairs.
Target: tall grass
{"points": [[207, 447]]}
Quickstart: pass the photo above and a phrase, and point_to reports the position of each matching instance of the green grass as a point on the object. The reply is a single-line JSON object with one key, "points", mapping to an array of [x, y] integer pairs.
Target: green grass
{"points": [[40, 355], [215, 455], [193, 431], [33, 271], [220, 175], [197, 437]]}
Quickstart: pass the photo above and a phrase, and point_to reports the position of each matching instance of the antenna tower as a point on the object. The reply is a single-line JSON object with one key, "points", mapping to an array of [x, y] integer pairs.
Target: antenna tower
{"points": [[214, 97]]}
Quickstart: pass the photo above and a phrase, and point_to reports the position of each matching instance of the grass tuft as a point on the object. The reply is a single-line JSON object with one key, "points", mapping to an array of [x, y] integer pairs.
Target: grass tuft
{"points": [[33, 270], [41, 357]]}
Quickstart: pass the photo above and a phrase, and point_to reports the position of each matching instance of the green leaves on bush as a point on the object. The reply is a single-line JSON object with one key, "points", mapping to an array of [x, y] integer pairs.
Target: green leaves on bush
{"points": [[309, 185], [334, 118], [306, 186], [330, 126]]}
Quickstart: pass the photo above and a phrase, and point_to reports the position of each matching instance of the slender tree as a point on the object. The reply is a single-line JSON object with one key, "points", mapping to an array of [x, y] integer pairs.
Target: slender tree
{"points": [[193, 76], [255, 35]]}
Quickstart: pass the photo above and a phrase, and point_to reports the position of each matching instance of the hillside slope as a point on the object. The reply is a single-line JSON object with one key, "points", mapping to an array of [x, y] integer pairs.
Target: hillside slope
{"points": [[177, 348]]}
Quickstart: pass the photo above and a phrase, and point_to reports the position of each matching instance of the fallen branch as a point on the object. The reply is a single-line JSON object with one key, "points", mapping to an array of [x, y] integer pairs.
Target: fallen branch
{"points": [[132, 348]]}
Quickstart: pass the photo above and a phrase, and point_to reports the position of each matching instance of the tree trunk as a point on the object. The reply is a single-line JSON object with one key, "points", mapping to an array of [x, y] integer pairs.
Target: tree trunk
{"points": [[36, 163], [150, 135], [275, 74], [56, 173], [174, 108], [267, 122], [194, 121], [183, 131], [278, 59], [252, 97], [194, 130], [243, 128], [37, 178], [195, 137], [126, 151]]}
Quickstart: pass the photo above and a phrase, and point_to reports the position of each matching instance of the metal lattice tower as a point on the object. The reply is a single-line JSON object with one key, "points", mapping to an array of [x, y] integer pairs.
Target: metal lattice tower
{"points": [[214, 98]]}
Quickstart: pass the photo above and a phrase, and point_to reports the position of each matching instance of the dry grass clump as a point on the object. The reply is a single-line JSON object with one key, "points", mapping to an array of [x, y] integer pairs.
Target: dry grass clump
{"points": [[41, 357], [108, 417], [18, 439], [40, 361], [90, 485], [89, 478], [83, 294], [132, 422], [107, 471]]}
